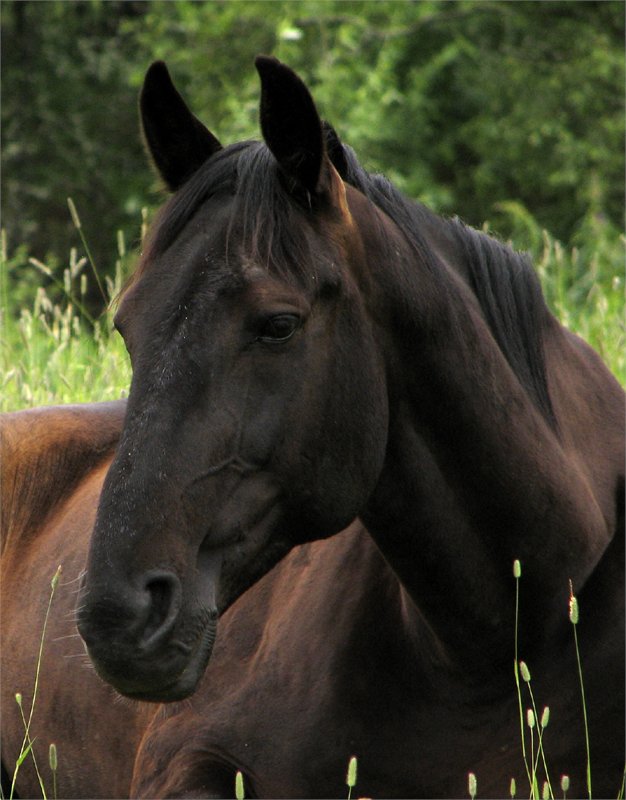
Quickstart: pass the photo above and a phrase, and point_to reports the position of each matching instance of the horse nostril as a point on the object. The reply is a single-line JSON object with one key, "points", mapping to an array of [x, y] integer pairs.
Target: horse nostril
{"points": [[164, 601]]}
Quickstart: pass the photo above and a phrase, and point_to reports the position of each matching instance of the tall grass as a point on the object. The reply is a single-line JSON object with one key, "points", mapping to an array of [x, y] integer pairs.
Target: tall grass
{"points": [[54, 351]]}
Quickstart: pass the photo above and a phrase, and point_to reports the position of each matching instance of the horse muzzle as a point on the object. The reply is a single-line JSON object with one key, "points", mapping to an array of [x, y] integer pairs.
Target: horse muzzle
{"points": [[144, 640]]}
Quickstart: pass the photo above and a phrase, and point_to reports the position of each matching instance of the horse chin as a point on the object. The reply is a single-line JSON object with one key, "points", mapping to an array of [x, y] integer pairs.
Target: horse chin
{"points": [[143, 683]]}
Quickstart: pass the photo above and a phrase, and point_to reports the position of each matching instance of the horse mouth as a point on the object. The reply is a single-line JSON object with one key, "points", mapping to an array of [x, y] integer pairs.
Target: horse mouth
{"points": [[138, 679], [186, 682]]}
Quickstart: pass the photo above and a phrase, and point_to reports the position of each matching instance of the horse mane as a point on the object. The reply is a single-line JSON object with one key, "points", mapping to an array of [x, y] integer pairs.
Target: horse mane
{"points": [[503, 281], [271, 231]]}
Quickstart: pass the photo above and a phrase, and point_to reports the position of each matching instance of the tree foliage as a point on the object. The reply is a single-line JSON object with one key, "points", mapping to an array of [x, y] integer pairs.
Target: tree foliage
{"points": [[506, 111]]}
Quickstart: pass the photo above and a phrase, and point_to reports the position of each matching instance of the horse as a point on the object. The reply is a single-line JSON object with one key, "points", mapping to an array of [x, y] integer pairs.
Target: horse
{"points": [[361, 476]]}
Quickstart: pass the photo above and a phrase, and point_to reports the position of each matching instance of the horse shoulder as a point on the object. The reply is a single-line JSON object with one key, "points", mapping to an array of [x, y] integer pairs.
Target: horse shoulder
{"points": [[45, 453], [285, 661], [589, 406]]}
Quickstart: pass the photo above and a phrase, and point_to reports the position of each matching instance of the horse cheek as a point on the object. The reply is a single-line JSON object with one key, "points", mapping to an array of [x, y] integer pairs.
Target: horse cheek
{"points": [[350, 441]]}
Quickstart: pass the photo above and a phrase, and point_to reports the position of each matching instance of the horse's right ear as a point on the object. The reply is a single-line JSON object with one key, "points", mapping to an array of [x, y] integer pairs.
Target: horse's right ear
{"points": [[177, 141]]}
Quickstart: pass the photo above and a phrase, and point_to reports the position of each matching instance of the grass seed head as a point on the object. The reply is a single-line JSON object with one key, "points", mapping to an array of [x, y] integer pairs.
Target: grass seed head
{"points": [[351, 776], [52, 757], [573, 610], [239, 791], [471, 785], [55, 578], [523, 668], [74, 213]]}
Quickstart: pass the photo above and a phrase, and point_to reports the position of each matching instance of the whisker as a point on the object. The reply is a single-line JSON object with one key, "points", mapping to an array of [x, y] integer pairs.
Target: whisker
{"points": [[68, 636], [73, 580]]}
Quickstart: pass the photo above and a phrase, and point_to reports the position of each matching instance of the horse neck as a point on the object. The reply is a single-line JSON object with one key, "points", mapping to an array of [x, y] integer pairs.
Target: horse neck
{"points": [[475, 475]]}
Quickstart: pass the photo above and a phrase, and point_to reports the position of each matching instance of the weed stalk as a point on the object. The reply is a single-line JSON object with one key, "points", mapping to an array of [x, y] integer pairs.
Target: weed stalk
{"points": [[79, 227], [27, 743], [573, 616], [517, 574]]}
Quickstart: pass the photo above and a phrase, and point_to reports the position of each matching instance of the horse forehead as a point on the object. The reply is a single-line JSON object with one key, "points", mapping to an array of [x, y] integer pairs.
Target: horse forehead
{"points": [[252, 270]]}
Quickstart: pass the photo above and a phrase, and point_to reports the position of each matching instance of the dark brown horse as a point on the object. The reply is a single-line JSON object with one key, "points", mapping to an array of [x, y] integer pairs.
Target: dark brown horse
{"points": [[311, 349]]}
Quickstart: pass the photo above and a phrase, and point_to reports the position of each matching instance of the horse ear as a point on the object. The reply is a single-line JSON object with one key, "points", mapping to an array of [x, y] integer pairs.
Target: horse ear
{"points": [[177, 141], [335, 150], [290, 123]]}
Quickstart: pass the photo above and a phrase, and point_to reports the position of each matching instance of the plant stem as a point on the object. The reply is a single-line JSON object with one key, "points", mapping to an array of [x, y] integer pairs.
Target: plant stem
{"points": [[79, 228], [582, 694], [517, 574], [26, 742]]}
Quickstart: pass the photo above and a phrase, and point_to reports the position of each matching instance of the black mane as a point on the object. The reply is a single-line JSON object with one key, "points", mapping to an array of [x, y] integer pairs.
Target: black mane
{"points": [[271, 228], [503, 281]]}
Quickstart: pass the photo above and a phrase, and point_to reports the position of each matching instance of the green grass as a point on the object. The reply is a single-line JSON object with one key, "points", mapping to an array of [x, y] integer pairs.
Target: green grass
{"points": [[587, 295], [53, 351]]}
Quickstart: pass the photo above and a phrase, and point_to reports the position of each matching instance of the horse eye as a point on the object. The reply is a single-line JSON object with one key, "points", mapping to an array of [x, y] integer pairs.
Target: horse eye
{"points": [[279, 328]]}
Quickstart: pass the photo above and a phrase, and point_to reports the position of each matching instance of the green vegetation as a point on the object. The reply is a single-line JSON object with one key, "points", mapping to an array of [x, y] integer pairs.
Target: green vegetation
{"points": [[488, 109], [55, 351]]}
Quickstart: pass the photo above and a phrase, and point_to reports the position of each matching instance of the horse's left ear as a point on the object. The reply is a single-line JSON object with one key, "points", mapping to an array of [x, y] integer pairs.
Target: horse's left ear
{"points": [[178, 142], [291, 126]]}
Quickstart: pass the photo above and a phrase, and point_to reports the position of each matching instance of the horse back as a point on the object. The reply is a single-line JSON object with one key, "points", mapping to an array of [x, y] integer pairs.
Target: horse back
{"points": [[45, 453], [53, 464]]}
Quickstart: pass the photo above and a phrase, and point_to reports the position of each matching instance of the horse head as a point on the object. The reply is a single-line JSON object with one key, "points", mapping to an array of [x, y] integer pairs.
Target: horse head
{"points": [[257, 413]]}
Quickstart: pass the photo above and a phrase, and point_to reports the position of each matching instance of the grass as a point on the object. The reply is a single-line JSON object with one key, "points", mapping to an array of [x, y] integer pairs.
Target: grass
{"points": [[587, 295], [54, 351], [27, 747]]}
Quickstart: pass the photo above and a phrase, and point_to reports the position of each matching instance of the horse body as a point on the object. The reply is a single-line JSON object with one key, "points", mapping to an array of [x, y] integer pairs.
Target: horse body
{"points": [[310, 668], [313, 353], [53, 464]]}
